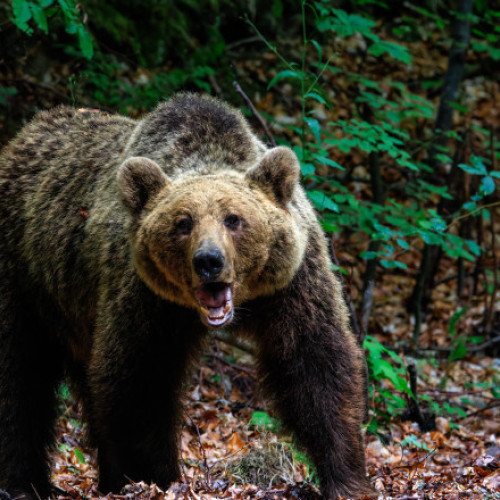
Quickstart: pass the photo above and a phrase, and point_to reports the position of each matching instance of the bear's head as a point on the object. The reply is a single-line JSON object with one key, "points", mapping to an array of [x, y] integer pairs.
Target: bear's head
{"points": [[212, 242]]}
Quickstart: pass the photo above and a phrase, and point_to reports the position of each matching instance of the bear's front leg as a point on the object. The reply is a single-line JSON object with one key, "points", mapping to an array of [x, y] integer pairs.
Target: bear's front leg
{"points": [[313, 369], [142, 350]]}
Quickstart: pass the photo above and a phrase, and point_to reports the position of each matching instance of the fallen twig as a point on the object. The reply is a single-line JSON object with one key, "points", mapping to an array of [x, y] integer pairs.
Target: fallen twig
{"points": [[470, 349], [202, 450], [247, 371], [231, 339], [489, 406]]}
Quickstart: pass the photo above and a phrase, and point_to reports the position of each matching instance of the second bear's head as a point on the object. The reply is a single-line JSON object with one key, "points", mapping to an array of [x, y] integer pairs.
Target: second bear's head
{"points": [[212, 242]]}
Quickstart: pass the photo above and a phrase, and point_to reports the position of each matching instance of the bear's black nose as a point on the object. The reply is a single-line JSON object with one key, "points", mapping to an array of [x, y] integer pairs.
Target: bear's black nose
{"points": [[208, 264]]}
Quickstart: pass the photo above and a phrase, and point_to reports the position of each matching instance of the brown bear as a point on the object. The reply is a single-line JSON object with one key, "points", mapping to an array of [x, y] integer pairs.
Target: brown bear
{"points": [[121, 242]]}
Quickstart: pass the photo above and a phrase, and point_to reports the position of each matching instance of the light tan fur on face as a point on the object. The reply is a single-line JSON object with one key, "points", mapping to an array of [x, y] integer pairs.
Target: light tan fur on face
{"points": [[260, 257]]}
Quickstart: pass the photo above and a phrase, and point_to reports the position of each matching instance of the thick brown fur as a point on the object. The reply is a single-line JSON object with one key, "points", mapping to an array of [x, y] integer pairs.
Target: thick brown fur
{"points": [[101, 220]]}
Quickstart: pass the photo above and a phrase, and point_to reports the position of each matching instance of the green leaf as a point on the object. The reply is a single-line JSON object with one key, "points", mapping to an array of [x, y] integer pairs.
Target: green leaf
{"points": [[287, 73], [412, 440], [5, 93], [393, 264], [318, 48], [345, 25], [487, 185], [454, 320], [374, 347], [315, 96], [368, 255], [402, 243], [315, 128], [329, 227], [451, 410], [477, 167], [307, 169], [385, 369], [327, 161], [478, 339], [68, 10], [72, 28], [339, 269], [322, 202], [262, 419], [40, 18], [459, 352], [22, 14], [85, 42], [399, 52], [473, 247], [79, 455], [458, 107]]}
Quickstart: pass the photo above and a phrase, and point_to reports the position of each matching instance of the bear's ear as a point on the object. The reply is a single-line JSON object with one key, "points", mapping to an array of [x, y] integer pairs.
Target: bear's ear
{"points": [[139, 179], [277, 174]]}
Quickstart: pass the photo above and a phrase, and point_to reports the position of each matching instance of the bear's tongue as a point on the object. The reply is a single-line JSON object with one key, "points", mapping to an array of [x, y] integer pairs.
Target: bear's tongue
{"points": [[212, 298], [216, 302]]}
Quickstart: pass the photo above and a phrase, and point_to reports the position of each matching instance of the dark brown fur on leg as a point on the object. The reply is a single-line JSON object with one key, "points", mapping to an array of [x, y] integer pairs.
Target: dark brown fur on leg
{"points": [[27, 399], [135, 378], [314, 373]]}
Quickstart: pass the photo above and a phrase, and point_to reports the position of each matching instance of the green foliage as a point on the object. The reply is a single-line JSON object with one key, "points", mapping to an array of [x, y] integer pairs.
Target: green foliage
{"points": [[387, 372], [262, 419], [5, 93], [143, 93], [311, 474], [412, 440], [68, 450], [379, 135], [64, 393], [459, 350], [37, 12]]}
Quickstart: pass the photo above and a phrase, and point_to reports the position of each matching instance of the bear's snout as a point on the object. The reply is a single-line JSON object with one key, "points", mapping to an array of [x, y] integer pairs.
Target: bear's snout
{"points": [[208, 263]]}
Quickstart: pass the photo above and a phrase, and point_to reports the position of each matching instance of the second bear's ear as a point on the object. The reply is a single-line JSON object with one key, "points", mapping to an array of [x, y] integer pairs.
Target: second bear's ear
{"points": [[277, 174], [139, 179]]}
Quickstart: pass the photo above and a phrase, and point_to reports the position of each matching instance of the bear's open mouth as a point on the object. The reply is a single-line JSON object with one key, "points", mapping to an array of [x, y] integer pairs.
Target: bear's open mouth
{"points": [[216, 303]]}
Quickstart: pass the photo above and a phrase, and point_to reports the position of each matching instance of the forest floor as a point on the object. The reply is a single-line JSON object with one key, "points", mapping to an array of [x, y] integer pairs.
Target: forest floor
{"points": [[225, 456]]}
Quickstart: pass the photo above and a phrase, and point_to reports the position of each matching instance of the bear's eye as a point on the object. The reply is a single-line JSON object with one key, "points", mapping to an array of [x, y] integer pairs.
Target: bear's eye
{"points": [[184, 226], [232, 222]]}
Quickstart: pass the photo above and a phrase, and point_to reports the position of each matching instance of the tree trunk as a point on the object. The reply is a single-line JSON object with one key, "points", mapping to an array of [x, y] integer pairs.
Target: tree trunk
{"points": [[453, 77]]}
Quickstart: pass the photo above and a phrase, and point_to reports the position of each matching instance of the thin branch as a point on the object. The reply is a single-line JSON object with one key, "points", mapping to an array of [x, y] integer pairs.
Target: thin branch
{"points": [[471, 349], [236, 367], [229, 338], [489, 406], [202, 449], [255, 112], [472, 212], [270, 46]]}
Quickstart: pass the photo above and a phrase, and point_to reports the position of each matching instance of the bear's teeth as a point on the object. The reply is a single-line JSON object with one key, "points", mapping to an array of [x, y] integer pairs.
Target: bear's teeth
{"points": [[216, 313], [227, 308]]}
